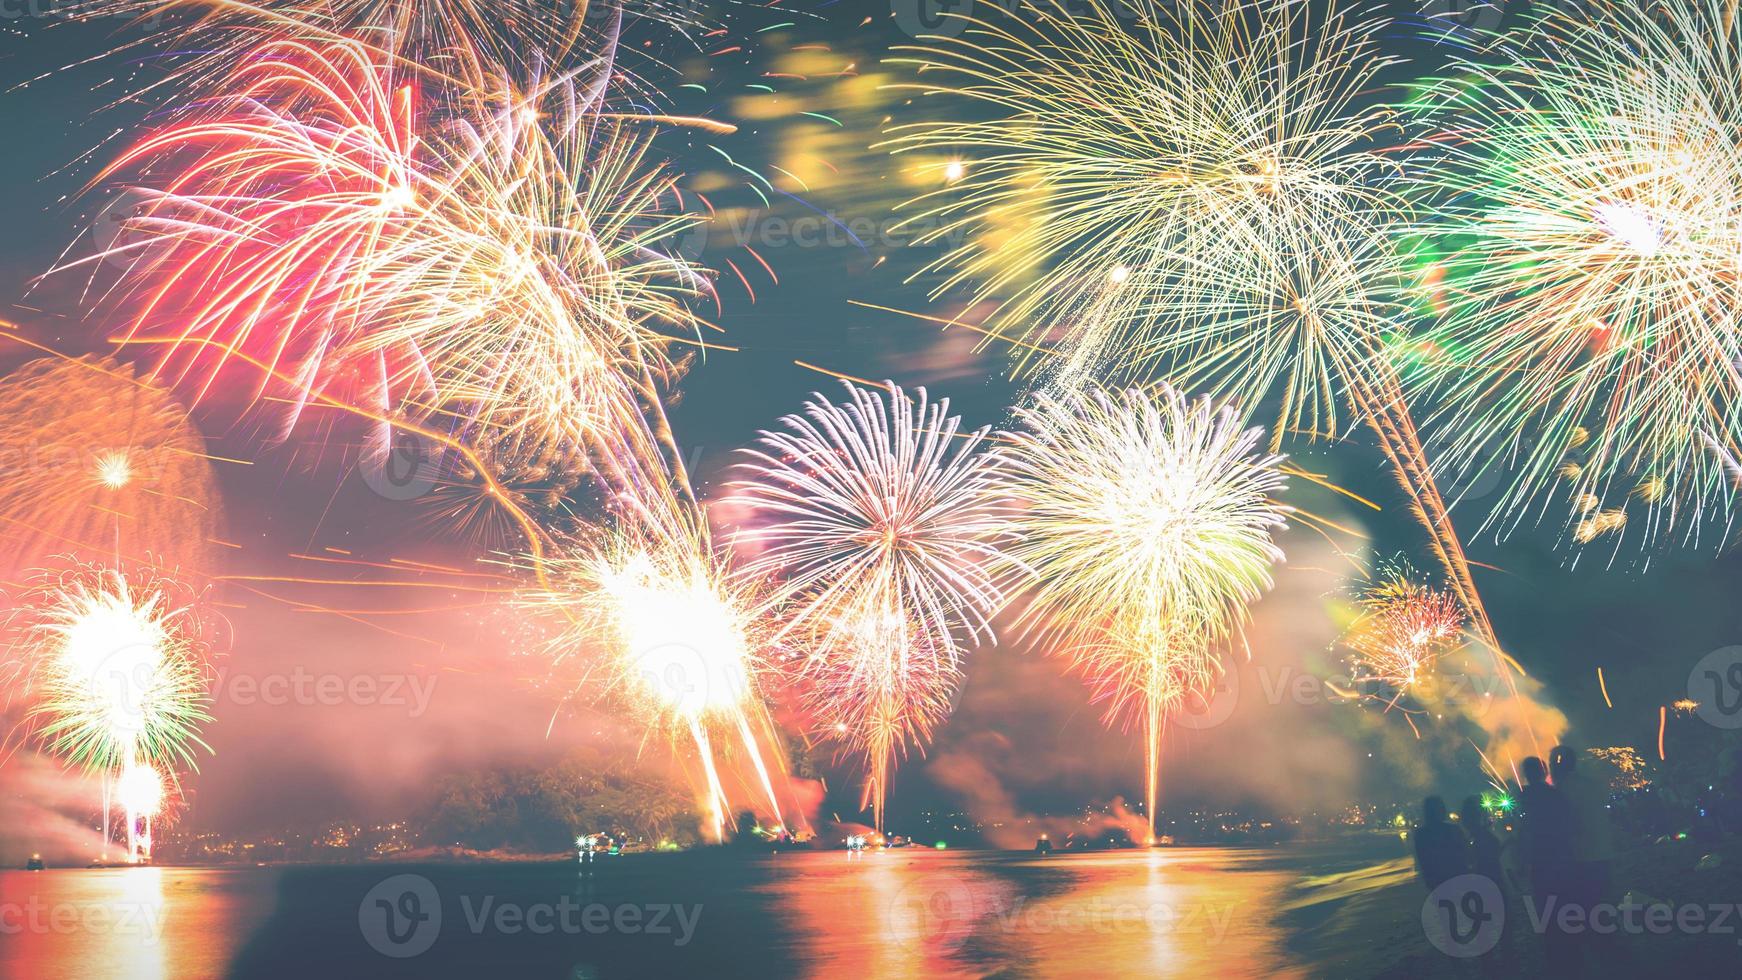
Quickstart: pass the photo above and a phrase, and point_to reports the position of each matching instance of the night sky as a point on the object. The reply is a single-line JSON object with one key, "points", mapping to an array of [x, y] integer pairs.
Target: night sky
{"points": [[1024, 737]]}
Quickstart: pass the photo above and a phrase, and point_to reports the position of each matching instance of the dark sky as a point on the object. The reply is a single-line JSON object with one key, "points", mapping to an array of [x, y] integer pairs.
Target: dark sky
{"points": [[1024, 736]]}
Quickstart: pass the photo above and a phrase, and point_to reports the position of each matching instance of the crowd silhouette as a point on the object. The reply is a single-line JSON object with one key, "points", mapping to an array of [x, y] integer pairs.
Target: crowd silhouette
{"points": [[1550, 865]]}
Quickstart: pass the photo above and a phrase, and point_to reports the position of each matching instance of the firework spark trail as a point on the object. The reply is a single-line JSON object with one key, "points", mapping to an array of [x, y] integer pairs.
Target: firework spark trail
{"points": [[1584, 185], [139, 791], [665, 632], [872, 518], [1143, 528], [488, 263]]}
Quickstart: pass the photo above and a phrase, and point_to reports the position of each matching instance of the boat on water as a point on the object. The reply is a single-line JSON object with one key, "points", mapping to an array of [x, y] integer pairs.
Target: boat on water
{"points": [[34, 864]]}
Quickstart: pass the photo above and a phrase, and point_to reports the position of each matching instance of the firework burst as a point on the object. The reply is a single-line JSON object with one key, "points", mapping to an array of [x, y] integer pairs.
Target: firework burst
{"points": [[1143, 528], [99, 461], [485, 259], [1197, 196], [114, 667], [1584, 185], [666, 635], [1184, 193], [1405, 626], [873, 516]]}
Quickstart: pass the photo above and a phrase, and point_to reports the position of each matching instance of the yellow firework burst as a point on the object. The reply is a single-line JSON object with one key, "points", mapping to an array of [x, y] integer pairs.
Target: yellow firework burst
{"points": [[664, 633], [1143, 527], [1186, 193]]}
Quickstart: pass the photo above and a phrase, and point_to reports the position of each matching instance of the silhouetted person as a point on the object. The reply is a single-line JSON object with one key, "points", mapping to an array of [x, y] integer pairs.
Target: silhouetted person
{"points": [[1593, 851], [1593, 843], [1545, 835], [1484, 845], [1478, 827], [1439, 846]]}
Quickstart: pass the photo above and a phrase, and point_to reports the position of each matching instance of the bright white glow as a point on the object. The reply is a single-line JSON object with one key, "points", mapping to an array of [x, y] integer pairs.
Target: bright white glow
{"points": [[686, 641], [1631, 226], [140, 791], [955, 170], [1119, 274], [113, 652], [114, 470]]}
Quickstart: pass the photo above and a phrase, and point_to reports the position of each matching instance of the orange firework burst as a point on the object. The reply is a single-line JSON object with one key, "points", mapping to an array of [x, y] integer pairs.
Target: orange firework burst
{"points": [[99, 462]]}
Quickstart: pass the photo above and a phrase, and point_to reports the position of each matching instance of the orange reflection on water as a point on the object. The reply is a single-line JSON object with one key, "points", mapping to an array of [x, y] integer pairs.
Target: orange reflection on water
{"points": [[143, 923], [957, 913]]}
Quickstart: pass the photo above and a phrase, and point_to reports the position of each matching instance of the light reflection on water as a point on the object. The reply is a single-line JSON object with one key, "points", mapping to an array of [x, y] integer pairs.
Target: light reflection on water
{"points": [[144, 923], [897, 913], [908, 913]]}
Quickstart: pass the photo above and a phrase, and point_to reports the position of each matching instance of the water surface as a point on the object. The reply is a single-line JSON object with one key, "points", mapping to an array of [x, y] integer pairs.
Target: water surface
{"points": [[1180, 911]]}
